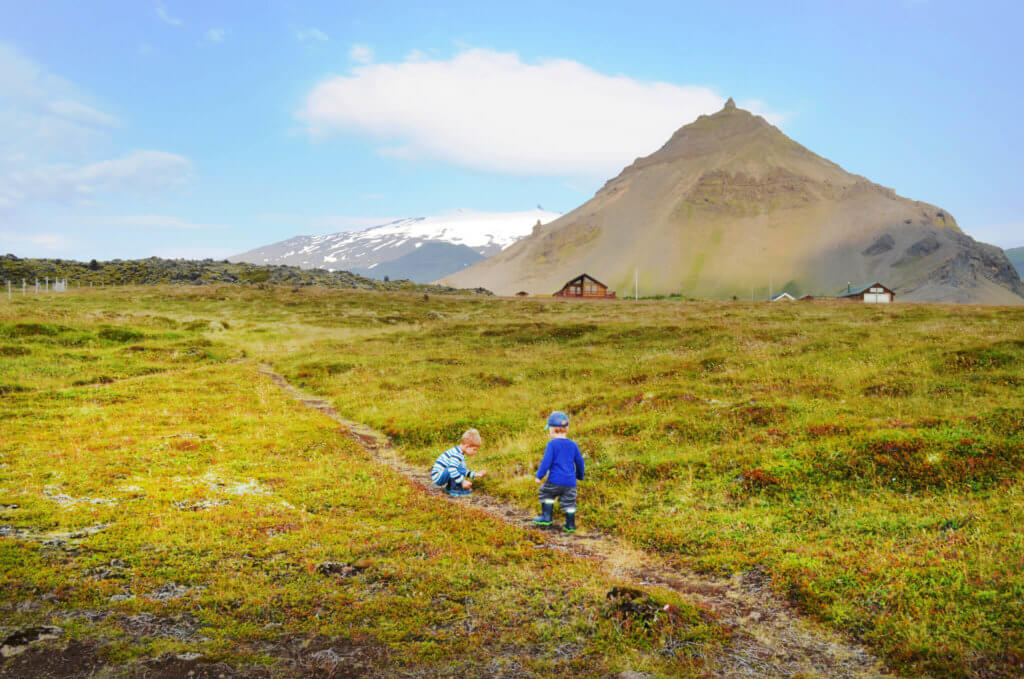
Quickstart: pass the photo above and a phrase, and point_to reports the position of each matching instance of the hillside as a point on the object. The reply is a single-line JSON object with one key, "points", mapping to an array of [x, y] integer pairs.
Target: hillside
{"points": [[155, 271], [424, 264], [1016, 257], [486, 233], [729, 206]]}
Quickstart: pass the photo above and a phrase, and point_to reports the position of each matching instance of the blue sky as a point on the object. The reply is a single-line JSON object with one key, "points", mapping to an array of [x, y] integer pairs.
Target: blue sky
{"points": [[193, 129]]}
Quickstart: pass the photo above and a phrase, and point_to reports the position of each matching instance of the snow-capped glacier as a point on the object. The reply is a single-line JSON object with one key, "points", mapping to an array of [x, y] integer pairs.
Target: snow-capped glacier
{"points": [[484, 232]]}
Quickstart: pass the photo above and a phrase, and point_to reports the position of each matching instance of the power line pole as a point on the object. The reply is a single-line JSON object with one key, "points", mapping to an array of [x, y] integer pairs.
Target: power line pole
{"points": [[636, 284]]}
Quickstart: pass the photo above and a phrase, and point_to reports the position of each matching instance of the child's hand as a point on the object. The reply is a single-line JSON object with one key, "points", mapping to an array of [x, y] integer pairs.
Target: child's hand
{"points": [[481, 474], [539, 481], [467, 484]]}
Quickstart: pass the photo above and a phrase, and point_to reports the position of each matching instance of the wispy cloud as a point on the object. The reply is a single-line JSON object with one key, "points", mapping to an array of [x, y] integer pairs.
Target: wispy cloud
{"points": [[309, 34], [318, 224], [51, 137], [166, 17], [79, 112], [42, 113], [10, 240], [361, 54], [196, 253], [491, 111], [217, 34], [137, 172], [147, 223]]}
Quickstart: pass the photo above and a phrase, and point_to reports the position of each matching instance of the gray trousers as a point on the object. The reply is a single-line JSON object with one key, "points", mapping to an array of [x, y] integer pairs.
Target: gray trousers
{"points": [[566, 496]]}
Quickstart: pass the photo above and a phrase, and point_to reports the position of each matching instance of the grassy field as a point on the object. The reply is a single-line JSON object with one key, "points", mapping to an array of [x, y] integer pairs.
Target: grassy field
{"points": [[865, 460]]}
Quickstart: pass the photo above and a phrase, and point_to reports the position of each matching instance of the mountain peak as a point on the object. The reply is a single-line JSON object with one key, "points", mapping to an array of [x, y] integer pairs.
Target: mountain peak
{"points": [[729, 105]]}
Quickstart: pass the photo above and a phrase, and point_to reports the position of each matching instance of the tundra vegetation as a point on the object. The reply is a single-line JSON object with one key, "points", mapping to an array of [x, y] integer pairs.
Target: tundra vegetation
{"points": [[159, 498]]}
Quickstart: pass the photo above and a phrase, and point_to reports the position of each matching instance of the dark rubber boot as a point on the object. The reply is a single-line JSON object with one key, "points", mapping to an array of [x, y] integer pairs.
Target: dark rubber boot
{"points": [[546, 514], [570, 522]]}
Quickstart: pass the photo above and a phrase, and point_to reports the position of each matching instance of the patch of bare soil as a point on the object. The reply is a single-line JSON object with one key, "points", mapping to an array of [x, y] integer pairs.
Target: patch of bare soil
{"points": [[72, 661], [770, 639], [41, 654]]}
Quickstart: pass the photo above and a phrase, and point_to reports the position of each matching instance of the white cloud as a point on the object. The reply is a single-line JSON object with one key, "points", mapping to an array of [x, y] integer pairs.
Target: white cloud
{"points": [[139, 172], [491, 111], [165, 16], [309, 34], [217, 34], [361, 54]]}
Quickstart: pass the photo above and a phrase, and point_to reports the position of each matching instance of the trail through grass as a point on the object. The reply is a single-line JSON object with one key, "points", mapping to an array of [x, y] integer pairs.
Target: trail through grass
{"points": [[767, 638]]}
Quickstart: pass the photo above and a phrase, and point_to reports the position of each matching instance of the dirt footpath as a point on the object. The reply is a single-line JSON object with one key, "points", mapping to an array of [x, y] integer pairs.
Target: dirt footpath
{"points": [[770, 638]]}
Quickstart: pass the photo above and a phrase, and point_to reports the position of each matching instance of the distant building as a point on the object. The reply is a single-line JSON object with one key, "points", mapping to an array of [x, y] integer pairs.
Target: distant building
{"points": [[875, 293], [783, 297], [807, 298], [522, 293], [585, 285]]}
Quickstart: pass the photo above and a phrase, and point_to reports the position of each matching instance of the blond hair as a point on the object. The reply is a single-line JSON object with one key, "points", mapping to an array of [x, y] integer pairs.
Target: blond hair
{"points": [[471, 437]]}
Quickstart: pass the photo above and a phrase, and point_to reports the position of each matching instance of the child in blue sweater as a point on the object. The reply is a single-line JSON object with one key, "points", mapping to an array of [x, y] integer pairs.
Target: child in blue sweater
{"points": [[450, 471], [563, 465]]}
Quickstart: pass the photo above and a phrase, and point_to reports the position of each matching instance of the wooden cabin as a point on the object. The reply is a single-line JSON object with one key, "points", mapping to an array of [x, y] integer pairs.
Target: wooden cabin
{"points": [[875, 293], [587, 286]]}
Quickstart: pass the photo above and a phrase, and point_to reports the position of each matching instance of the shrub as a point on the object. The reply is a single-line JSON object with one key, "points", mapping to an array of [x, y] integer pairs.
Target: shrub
{"points": [[940, 459], [1005, 421], [817, 431], [758, 415], [998, 355], [34, 329], [757, 479], [712, 364], [119, 334]]}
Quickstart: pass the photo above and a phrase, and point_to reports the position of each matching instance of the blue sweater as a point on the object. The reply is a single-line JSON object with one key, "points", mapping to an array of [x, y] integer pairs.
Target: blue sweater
{"points": [[562, 458]]}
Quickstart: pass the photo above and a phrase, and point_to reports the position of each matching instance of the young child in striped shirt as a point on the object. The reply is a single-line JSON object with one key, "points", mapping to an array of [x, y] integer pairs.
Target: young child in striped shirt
{"points": [[450, 471]]}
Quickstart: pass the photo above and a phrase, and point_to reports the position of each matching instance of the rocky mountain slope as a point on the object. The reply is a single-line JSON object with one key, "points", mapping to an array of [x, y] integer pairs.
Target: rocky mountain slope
{"points": [[730, 206], [1016, 257], [451, 233]]}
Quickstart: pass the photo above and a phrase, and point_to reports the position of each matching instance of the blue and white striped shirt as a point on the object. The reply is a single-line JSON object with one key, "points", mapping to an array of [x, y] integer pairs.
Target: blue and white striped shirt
{"points": [[451, 465]]}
